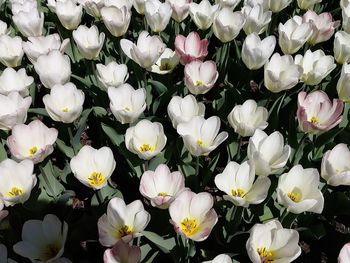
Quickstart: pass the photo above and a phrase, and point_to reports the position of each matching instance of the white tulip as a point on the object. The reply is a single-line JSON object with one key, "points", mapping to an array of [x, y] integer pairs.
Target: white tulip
{"points": [[116, 19], [18, 181], [166, 62], [298, 190], [278, 5], [93, 167], [147, 50], [343, 85], [139, 6], [280, 73], [64, 103], [53, 68], [157, 14], [11, 51], [13, 110], [256, 52], [201, 136], [252, 3], [89, 41], [293, 34], [30, 24], [184, 109], [111, 75], [227, 24], [346, 18], [126, 103], [268, 152], [203, 14], [3, 28], [335, 168], [180, 9], [228, 3], [222, 258], [92, 7], [37, 46], [342, 47], [22, 6], [12, 80], [307, 4], [237, 181], [146, 139], [248, 117], [69, 13], [257, 19], [316, 66], [270, 242], [43, 241], [119, 3]]}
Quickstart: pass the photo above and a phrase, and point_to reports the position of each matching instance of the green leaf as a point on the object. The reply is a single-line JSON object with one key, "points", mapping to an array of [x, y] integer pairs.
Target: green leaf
{"points": [[3, 153], [81, 127], [160, 87], [52, 186], [40, 111], [115, 137], [68, 151], [166, 245]]}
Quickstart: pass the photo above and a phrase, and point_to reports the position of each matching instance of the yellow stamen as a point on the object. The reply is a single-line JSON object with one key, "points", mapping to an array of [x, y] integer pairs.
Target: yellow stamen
{"points": [[265, 255], [65, 109], [189, 227], [198, 82], [15, 192], [165, 66], [294, 196], [146, 148], [238, 192], [314, 120], [127, 109], [50, 251], [96, 179], [124, 231], [200, 143], [163, 194], [32, 151]]}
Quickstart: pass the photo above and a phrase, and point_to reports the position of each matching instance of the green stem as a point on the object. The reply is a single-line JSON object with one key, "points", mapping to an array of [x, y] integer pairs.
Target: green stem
{"points": [[197, 174], [284, 215], [99, 196]]}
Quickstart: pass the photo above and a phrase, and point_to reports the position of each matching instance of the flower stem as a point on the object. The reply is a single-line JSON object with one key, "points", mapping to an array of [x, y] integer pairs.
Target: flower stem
{"points": [[99, 196], [197, 173]]}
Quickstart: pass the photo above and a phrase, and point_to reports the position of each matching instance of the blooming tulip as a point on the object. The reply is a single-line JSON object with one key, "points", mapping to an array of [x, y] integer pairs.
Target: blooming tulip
{"points": [[64, 103], [268, 152], [146, 139], [139, 6], [89, 41], [200, 76], [22, 6], [316, 66], [122, 252], [307, 4], [252, 3], [93, 167], [68, 12], [201, 136], [116, 20], [184, 109], [191, 48], [112, 74], [193, 215], [342, 47], [29, 23], [298, 190], [166, 62], [18, 181], [280, 73], [257, 19], [92, 7], [43, 241], [227, 24], [203, 13], [122, 222], [271, 242], [248, 117], [344, 254], [346, 18], [12, 80], [228, 3], [53, 68], [161, 186], [33, 141], [11, 51], [222, 258], [13, 110], [237, 181], [343, 85], [126, 103], [147, 50], [316, 113], [256, 52], [278, 5], [157, 14], [335, 167], [119, 3], [180, 9]]}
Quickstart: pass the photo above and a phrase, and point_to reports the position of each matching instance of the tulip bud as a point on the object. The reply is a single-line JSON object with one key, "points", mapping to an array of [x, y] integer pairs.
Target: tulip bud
{"points": [[203, 14], [116, 20], [343, 85], [3, 28], [15, 81], [166, 62], [89, 41], [256, 52], [342, 47], [308, 4], [139, 6], [111, 75], [92, 7], [180, 9], [280, 73], [69, 13], [191, 47], [227, 24], [316, 66], [29, 23], [278, 5], [157, 14], [22, 6], [257, 19], [122, 252], [11, 51], [316, 113], [64, 103]]}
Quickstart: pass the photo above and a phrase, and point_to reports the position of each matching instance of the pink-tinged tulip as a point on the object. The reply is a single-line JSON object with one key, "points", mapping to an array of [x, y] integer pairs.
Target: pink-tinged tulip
{"points": [[200, 76], [161, 186], [191, 47], [33, 141], [322, 25], [122, 252], [344, 255], [193, 215], [316, 113], [180, 9]]}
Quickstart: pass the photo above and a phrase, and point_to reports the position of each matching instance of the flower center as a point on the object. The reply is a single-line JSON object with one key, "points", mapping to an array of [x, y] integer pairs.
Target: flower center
{"points": [[189, 226], [314, 120], [50, 251], [96, 179], [165, 66], [200, 143], [238, 192], [198, 82], [127, 109], [163, 194], [15, 192], [265, 255], [65, 109], [294, 196], [146, 148], [32, 151], [124, 231]]}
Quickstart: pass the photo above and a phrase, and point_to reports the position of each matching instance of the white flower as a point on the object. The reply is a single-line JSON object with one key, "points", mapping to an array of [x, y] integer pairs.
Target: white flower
{"points": [[298, 190], [248, 117], [201, 136], [122, 221], [64, 103], [119, 3], [344, 254], [203, 13], [270, 242], [126, 103], [307, 4], [257, 19], [89, 41], [180, 9], [43, 241], [228, 3], [68, 12], [92, 7], [139, 6], [346, 18], [166, 62], [222, 258], [93, 167], [3, 28], [268, 153], [278, 5], [184, 109], [343, 85], [146, 139], [342, 47], [22, 6], [237, 181], [12, 80], [116, 19], [17, 182], [13, 110], [29, 23], [122, 252], [11, 51], [157, 14], [111, 75]]}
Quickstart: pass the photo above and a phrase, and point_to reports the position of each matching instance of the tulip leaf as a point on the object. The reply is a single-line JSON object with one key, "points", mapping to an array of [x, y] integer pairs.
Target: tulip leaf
{"points": [[3, 153], [166, 245], [68, 151], [327, 137], [40, 111], [81, 127], [51, 185], [160, 87]]}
